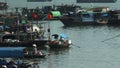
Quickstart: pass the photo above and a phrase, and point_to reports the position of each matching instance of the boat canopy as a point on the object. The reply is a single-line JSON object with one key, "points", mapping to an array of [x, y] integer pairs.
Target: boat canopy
{"points": [[63, 36], [55, 13], [11, 52]]}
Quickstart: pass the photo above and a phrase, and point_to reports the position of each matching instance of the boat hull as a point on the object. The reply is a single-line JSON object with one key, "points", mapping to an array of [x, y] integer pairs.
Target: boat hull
{"points": [[39, 43], [58, 46], [54, 44], [34, 56], [74, 21]]}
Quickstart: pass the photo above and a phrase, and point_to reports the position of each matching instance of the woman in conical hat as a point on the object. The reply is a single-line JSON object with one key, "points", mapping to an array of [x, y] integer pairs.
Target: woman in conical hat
{"points": [[35, 51], [34, 45]]}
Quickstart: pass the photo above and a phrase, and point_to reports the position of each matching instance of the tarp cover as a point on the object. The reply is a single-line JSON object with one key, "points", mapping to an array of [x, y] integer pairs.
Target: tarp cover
{"points": [[11, 52], [55, 13]]}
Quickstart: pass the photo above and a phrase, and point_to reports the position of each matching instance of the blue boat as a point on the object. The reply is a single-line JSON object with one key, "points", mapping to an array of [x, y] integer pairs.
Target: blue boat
{"points": [[96, 1]]}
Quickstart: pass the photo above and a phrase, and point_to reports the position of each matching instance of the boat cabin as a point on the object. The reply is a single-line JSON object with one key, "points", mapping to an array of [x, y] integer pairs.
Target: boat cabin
{"points": [[114, 17]]}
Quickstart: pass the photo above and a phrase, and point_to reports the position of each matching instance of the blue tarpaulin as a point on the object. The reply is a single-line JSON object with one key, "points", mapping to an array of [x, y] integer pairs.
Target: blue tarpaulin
{"points": [[104, 15], [63, 35], [11, 52]]}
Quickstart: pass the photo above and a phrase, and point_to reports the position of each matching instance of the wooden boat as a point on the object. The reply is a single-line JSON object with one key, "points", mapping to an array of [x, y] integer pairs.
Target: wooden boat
{"points": [[96, 1], [58, 44], [34, 56], [84, 19], [93, 16], [63, 42], [21, 40], [12, 52], [114, 17], [3, 5]]}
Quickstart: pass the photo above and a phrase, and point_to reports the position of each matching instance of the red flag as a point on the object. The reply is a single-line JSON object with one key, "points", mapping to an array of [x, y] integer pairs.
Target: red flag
{"points": [[49, 16], [35, 16]]}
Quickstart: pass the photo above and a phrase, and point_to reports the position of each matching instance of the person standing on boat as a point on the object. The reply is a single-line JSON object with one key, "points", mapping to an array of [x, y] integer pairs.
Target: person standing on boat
{"points": [[41, 32], [36, 33], [35, 51]]}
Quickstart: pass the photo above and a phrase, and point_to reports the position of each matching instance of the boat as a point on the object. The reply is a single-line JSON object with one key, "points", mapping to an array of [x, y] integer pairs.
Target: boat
{"points": [[34, 53], [34, 56], [96, 1], [13, 53], [63, 42], [114, 17], [3, 6], [10, 52], [21, 40], [58, 44], [94, 16], [20, 32]]}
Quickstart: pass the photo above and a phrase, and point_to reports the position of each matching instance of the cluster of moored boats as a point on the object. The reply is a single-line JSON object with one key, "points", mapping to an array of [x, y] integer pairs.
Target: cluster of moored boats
{"points": [[94, 16], [18, 32]]}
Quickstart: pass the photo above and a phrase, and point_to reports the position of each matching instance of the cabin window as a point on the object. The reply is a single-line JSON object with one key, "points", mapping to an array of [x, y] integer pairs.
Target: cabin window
{"points": [[87, 17]]}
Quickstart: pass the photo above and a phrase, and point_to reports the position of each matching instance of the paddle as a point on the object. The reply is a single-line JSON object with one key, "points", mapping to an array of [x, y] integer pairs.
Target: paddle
{"points": [[111, 38], [75, 45]]}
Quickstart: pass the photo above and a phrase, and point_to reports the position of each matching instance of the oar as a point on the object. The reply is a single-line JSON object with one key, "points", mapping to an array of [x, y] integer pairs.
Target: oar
{"points": [[75, 45], [111, 38]]}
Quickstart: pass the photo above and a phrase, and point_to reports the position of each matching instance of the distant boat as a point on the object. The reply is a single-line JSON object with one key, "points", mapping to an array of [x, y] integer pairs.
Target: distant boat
{"points": [[3, 5], [94, 17], [96, 1]]}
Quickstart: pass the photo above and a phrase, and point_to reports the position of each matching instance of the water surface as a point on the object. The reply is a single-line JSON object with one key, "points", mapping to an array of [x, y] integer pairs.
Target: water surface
{"points": [[99, 48]]}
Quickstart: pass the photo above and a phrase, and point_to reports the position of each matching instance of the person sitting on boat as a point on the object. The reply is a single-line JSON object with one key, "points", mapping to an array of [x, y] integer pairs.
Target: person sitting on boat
{"points": [[61, 40], [36, 33], [12, 64], [35, 51], [55, 41], [55, 36]]}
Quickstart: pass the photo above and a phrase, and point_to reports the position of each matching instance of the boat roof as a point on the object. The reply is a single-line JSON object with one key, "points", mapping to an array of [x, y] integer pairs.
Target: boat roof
{"points": [[11, 52], [92, 12]]}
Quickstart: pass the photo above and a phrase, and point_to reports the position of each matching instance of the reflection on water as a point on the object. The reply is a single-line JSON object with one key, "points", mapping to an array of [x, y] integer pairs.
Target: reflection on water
{"points": [[52, 59]]}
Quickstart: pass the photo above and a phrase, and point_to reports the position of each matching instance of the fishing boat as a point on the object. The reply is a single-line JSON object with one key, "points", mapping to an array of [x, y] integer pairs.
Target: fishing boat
{"points": [[12, 53], [96, 1], [63, 42], [34, 53], [114, 17], [21, 40], [34, 56], [3, 5], [94, 16], [58, 44], [20, 33]]}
